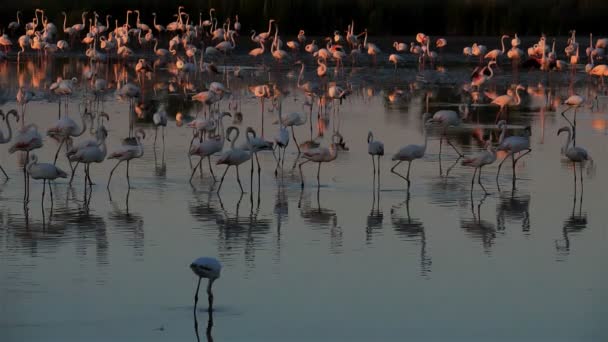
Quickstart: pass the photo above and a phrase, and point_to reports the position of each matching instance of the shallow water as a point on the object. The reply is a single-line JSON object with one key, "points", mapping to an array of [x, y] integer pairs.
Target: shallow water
{"points": [[336, 262]]}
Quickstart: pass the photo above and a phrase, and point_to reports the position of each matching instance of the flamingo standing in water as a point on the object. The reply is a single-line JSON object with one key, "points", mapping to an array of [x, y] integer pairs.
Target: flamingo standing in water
{"points": [[233, 157], [131, 148], [209, 147], [575, 154], [479, 160], [411, 152], [494, 54], [375, 148], [448, 118], [319, 155], [7, 139], [574, 101], [206, 267], [45, 171], [27, 139], [505, 100], [513, 145]]}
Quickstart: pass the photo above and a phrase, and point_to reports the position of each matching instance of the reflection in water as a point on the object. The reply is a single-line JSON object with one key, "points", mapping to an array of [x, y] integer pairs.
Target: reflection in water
{"points": [[478, 228], [129, 223], [318, 217], [209, 329], [410, 229], [281, 211], [375, 217], [241, 232], [514, 206], [574, 224]]}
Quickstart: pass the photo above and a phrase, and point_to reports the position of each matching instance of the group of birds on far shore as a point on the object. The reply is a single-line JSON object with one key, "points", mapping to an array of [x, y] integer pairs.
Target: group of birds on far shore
{"points": [[188, 46]]}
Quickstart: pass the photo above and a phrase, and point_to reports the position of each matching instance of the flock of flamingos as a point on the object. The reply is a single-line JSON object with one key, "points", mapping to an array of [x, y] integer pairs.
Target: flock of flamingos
{"points": [[191, 49]]}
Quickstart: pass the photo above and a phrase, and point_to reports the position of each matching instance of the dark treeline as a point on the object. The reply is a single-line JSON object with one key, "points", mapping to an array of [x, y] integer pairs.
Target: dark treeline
{"points": [[387, 17]]}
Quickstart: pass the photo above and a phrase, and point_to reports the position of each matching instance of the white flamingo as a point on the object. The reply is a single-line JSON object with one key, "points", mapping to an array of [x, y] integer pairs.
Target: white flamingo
{"points": [[411, 152], [131, 148], [206, 267], [375, 148], [45, 171], [479, 160], [512, 145], [207, 148], [233, 157], [319, 155]]}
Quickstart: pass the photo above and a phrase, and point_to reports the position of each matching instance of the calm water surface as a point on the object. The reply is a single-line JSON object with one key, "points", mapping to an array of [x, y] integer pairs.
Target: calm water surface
{"points": [[339, 262]]}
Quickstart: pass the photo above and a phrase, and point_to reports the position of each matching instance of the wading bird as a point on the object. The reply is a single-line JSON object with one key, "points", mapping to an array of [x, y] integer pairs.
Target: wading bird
{"points": [[206, 267]]}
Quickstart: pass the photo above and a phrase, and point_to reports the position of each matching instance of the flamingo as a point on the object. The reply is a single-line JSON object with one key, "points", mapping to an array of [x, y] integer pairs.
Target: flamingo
{"points": [[7, 139], [281, 140], [95, 153], [449, 118], [257, 51], [266, 35], [206, 267], [254, 144], [575, 154], [395, 59], [14, 25], [374, 148], [494, 54], [131, 148], [513, 145], [100, 134], [503, 101], [481, 75], [23, 97], [479, 50], [66, 128], [233, 157], [411, 152], [312, 47], [262, 92], [574, 101], [27, 139], [160, 120], [319, 155], [63, 88], [45, 171], [207, 148], [479, 160], [400, 47]]}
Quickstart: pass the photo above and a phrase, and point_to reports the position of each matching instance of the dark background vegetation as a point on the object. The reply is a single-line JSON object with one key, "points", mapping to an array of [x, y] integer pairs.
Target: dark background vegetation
{"points": [[388, 17]]}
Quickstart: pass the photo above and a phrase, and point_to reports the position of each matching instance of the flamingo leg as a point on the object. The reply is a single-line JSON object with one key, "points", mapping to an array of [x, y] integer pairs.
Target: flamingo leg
{"points": [[293, 135], [238, 179], [319, 175], [196, 296], [479, 181], [500, 165], [473, 179], [222, 180], [111, 173], [128, 180], [4, 172], [58, 149], [193, 172], [397, 173], [409, 166], [301, 175], [454, 147], [211, 168], [74, 172], [374, 165], [210, 293]]}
